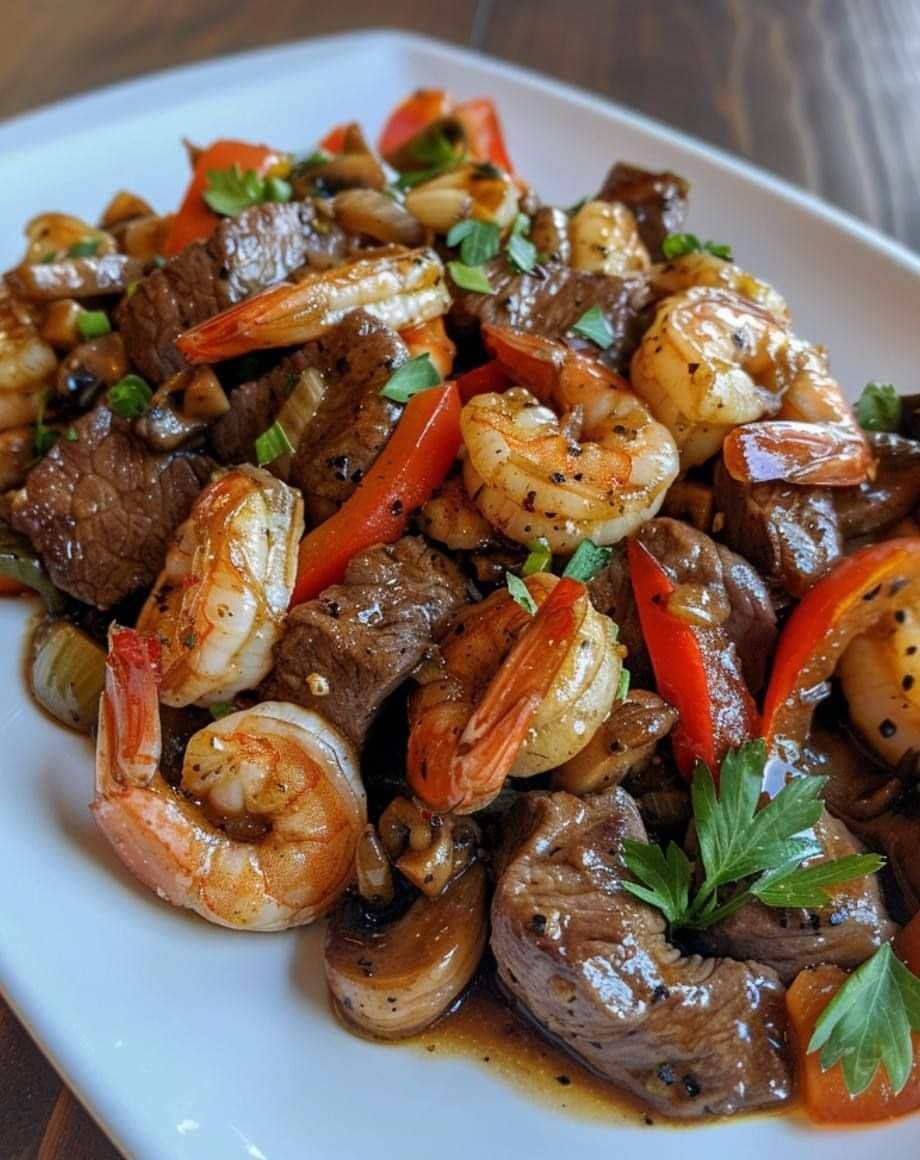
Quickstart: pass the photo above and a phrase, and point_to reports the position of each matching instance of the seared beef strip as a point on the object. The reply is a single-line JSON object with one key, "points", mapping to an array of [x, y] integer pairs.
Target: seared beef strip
{"points": [[253, 407], [551, 300], [345, 652], [611, 593], [893, 494], [74, 278], [850, 928], [100, 509], [658, 202], [592, 965], [246, 253], [790, 534]]}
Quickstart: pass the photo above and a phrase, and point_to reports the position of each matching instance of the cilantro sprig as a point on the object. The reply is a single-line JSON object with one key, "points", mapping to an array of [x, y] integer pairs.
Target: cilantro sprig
{"points": [[676, 245], [228, 191], [595, 327], [739, 841], [520, 250], [879, 407], [478, 241], [418, 374]]}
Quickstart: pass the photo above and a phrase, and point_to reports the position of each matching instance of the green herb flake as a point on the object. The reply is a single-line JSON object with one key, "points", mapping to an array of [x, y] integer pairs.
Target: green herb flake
{"points": [[277, 189], [595, 327], [623, 683], [93, 324], [868, 1023], [418, 374], [131, 289], [272, 443], [130, 397], [808, 886], [158, 260], [317, 157], [221, 709], [470, 277], [587, 560], [71, 435], [432, 147], [228, 191], [520, 593], [539, 557], [478, 241], [85, 248], [521, 252], [664, 877], [46, 259], [879, 407], [45, 437], [676, 245]]}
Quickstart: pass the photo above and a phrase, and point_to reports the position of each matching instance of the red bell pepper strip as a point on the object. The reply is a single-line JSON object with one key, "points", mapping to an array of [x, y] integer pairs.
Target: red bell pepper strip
{"points": [[483, 132], [408, 119], [858, 591], [825, 1092], [415, 461], [482, 381], [195, 220], [334, 141], [716, 709]]}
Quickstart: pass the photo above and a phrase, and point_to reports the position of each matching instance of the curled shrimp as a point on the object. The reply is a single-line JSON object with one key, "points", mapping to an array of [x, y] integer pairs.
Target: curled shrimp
{"points": [[220, 602], [575, 455], [401, 290], [605, 240], [278, 774], [26, 363], [701, 268], [713, 360], [510, 694]]}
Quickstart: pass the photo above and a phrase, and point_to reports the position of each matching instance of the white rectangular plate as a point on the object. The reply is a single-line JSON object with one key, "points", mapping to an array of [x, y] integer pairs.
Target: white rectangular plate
{"points": [[186, 1040]]}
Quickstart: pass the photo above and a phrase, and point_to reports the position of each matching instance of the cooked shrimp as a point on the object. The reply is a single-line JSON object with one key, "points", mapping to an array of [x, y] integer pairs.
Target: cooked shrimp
{"points": [[605, 240], [26, 363], [467, 191], [509, 694], [278, 774], [880, 677], [575, 455], [402, 290], [713, 360], [451, 518], [704, 269], [219, 604], [431, 338]]}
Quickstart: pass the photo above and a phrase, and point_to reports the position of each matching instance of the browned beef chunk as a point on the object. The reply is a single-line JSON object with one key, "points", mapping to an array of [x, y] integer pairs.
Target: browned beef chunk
{"points": [[253, 407], [346, 651], [790, 534], [736, 599], [592, 965], [74, 278], [100, 509], [658, 201], [893, 494], [553, 298], [611, 593], [246, 253], [852, 926], [353, 421]]}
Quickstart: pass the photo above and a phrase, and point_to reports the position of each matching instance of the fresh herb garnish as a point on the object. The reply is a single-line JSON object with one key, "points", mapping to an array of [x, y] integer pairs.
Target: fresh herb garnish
{"points": [[317, 157], [272, 443], [587, 560], [71, 435], [868, 1023], [522, 253], [879, 407], [623, 683], [93, 324], [85, 248], [520, 593], [230, 190], [46, 259], [437, 154], [158, 260], [478, 241], [130, 397], [737, 841], [221, 709], [470, 277], [595, 327], [676, 245], [539, 557], [418, 374], [45, 437]]}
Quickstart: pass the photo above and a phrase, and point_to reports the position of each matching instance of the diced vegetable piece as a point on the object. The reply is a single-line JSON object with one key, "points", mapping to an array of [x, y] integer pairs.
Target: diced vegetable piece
{"points": [[67, 674], [20, 569]]}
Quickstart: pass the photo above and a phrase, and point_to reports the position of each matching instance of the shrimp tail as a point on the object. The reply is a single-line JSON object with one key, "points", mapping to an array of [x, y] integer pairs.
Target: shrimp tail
{"points": [[130, 711], [830, 455]]}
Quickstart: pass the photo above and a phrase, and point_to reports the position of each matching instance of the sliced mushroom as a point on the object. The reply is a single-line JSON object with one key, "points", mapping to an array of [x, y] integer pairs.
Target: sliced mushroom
{"points": [[549, 232], [394, 980], [355, 167], [182, 408], [427, 848], [373, 214], [74, 277], [124, 207], [91, 367]]}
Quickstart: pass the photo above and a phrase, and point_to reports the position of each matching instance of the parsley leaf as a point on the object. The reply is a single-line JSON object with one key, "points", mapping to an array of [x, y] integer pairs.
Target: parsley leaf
{"points": [[418, 374], [521, 251], [879, 407], [434, 149], [676, 245], [539, 557], [595, 327], [221, 709], [520, 593], [807, 885], [272, 443], [470, 277], [228, 191], [666, 877], [586, 561], [868, 1023], [478, 241]]}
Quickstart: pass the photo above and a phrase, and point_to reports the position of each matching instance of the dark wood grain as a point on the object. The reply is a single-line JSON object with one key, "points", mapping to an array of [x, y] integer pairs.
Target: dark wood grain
{"points": [[824, 92]]}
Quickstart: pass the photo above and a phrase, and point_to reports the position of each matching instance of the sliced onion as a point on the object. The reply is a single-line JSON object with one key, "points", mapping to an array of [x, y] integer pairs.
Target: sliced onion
{"points": [[298, 409], [369, 212], [67, 674]]}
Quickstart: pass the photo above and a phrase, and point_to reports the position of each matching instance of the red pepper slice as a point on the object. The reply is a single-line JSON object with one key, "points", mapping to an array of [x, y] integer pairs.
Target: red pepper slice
{"points": [[195, 220], [483, 380], [854, 595], [483, 132], [334, 141], [415, 461], [688, 674], [408, 119]]}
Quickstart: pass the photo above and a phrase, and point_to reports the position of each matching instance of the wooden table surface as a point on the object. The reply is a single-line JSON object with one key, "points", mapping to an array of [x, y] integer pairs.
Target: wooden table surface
{"points": [[823, 92]]}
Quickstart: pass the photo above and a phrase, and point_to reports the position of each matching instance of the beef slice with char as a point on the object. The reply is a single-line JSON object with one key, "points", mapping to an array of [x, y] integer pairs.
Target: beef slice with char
{"points": [[551, 299], [253, 407], [847, 931], [100, 509], [893, 493], [346, 651], [658, 202], [790, 534], [260, 246], [592, 965]]}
